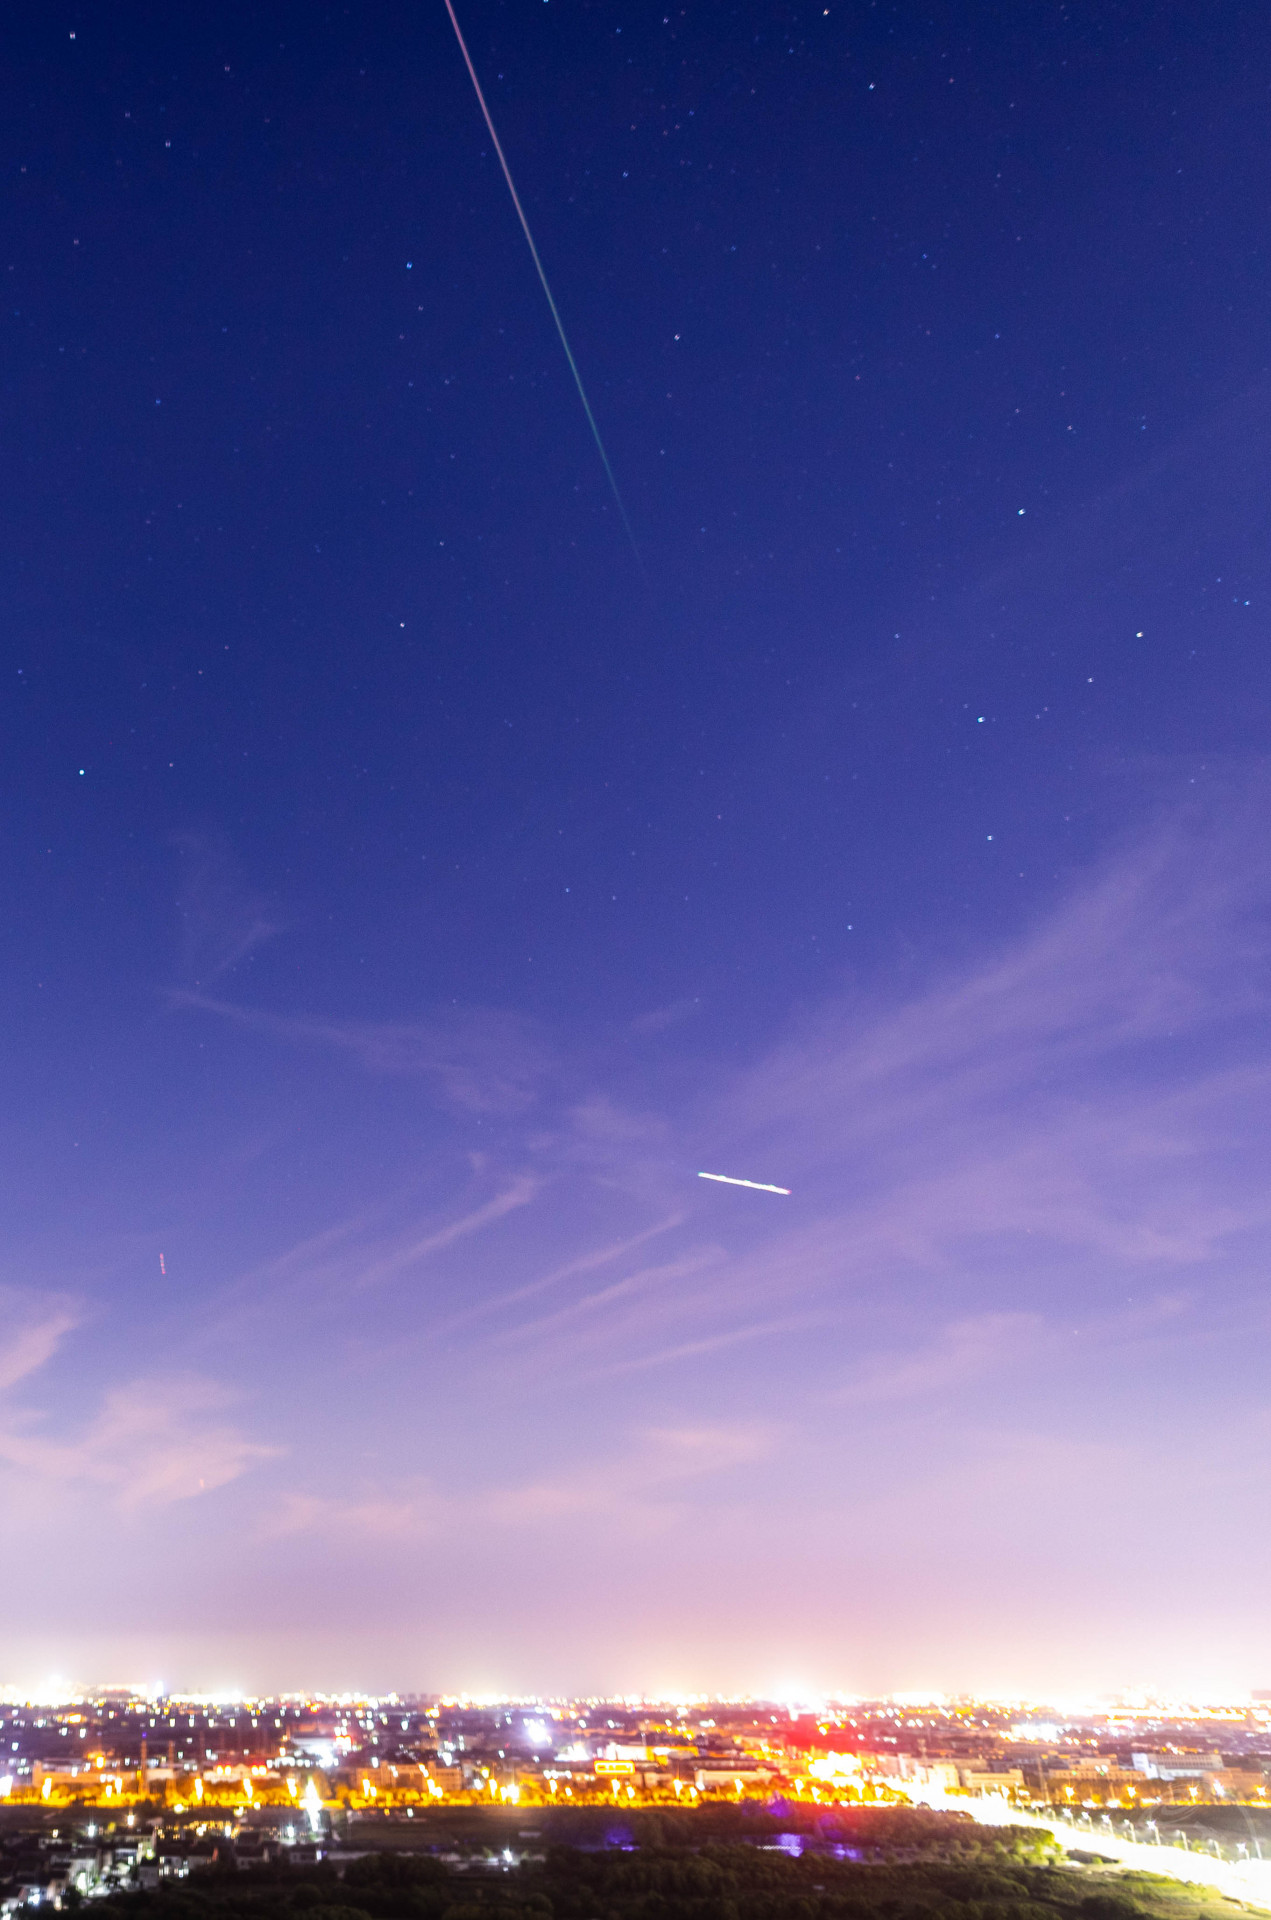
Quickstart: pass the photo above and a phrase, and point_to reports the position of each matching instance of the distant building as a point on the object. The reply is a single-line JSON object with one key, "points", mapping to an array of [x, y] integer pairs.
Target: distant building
{"points": [[729, 1774], [1085, 1781], [1166, 1765], [982, 1780], [1241, 1784]]}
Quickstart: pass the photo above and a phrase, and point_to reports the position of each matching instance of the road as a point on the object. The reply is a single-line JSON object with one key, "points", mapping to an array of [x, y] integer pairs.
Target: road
{"points": [[1248, 1881]]}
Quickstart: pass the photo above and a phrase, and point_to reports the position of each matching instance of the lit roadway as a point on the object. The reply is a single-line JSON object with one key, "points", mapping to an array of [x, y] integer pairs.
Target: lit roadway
{"points": [[1244, 1880]]}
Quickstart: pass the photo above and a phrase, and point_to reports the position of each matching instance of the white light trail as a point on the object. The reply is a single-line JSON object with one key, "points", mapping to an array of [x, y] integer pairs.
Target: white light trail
{"points": [[727, 1180], [538, 267], [1242, 1880]]}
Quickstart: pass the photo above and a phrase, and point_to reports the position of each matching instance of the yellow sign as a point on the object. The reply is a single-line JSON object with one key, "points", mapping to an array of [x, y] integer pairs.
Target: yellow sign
{"points": [[614, 1766]]}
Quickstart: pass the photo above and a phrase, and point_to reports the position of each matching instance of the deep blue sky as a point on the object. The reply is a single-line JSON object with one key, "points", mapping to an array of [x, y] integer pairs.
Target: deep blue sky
{"points": [[407, 893]]}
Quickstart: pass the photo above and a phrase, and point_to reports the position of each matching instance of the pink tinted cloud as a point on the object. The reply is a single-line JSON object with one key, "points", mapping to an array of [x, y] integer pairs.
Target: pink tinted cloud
{"points": [[148, 1442]]}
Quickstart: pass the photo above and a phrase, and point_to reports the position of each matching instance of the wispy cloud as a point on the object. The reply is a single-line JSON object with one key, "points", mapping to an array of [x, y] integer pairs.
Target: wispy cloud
{"points": [[33, 1329], [152, 1442], [591, 1262], [222, 919], [1075, 1118], [410, 1512], [633, 1290], [1056, 1092], [644, 1485], [1166, 938], [711, 1343], [964, 1351], [149, 1442], [662, 1018], [412, 1252], [1082, 1103], [370, 1250], [480, 1060]]}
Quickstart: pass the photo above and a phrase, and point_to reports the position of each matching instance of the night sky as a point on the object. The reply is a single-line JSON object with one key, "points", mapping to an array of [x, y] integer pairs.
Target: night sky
{"points": [[408, 890]]}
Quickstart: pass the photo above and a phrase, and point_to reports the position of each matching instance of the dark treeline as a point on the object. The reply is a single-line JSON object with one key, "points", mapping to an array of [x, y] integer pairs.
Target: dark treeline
{"points": [[866, 1829], [917, 1868]]}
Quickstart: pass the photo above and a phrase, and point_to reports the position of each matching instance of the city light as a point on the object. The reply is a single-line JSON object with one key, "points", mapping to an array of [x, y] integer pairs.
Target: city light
{"points": [[1125, 1772]]}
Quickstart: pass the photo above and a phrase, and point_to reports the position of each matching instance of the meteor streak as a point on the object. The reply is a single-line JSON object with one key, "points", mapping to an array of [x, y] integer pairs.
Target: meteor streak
{"points": [[727, 1180], [538, 267]]}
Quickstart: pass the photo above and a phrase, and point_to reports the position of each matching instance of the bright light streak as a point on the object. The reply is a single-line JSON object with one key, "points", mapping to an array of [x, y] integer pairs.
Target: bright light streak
{"points": [[312, 1805], [727, 1180], [538, 267], [1247, 1881]]}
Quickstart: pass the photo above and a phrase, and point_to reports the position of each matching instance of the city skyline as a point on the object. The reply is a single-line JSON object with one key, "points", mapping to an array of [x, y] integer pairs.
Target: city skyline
{"points": [[117, 1792], [1118, 1708]]}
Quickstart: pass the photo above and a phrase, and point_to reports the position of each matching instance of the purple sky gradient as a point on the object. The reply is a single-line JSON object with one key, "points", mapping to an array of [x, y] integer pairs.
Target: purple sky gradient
{"points": [[992, 1371], [404, 901]]}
